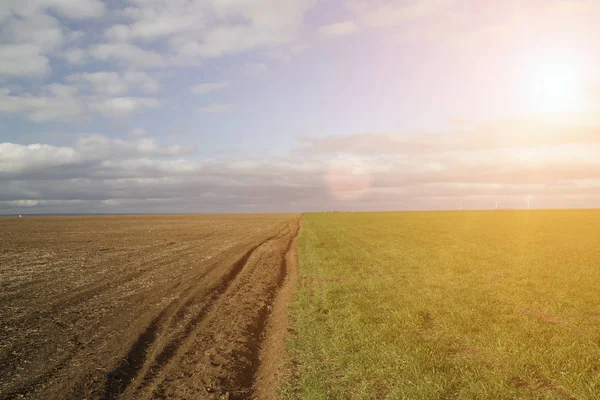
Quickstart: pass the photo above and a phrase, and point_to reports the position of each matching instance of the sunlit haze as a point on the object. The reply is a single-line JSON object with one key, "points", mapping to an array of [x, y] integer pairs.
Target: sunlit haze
{"points": [[556, 86], [298, 105]]}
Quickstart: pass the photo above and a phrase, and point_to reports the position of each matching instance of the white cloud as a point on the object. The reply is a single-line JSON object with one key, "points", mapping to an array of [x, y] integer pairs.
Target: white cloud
{"points": [[32, 34], [128, 54], [99, 173], [88, 150], [29, 34], [60, 102], [41, 31], [74, 56], [98, 147], [164, 19], [54, 102], [207, 87], [74, 9], [199, 30], [16, 157], [113, 83], [122, 106], [75, 36], [24, 203], [118, 33], [338, 29], [138, 132], [215, 108], [23, 60]]}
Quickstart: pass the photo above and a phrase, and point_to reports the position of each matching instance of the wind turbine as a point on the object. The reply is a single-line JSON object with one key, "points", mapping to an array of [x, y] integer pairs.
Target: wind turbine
{"points": [[497, 202], [461, 205], [528, 203]]}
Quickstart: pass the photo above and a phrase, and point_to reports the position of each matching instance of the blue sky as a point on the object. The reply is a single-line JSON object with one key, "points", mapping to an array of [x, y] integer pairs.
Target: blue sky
{"points": [[297, 105]]}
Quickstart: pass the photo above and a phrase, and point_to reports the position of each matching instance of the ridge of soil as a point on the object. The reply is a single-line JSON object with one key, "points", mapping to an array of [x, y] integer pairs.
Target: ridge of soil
{"points": [[274, 349]]}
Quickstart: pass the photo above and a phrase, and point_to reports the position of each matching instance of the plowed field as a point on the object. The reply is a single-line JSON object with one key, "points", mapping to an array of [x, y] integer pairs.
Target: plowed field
{"points": [[141, 307]]}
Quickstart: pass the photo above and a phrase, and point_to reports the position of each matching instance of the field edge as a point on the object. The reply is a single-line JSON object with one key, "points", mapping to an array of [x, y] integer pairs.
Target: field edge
{"points": [[272, 369]]}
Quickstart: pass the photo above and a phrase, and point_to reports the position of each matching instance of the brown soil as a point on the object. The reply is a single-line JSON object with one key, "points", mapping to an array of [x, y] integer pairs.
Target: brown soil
{"points": [[144, 307], [273, 349]]}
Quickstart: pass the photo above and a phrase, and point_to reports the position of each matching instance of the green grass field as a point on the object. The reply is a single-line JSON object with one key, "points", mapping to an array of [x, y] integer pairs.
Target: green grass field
{"points": [[447, 305]]}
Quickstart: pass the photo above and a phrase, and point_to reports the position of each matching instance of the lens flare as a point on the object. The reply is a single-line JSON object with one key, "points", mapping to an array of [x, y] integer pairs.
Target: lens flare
{"points": [[347, 179]]}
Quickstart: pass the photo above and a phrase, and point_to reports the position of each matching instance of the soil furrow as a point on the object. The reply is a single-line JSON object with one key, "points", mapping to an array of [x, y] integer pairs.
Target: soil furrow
{"points": [[273, 347], [223, 352], [171, 348], [257, 332], [119, 379]]}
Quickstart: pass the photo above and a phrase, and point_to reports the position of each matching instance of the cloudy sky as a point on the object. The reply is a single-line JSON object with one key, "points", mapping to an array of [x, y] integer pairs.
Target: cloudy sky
{"points": [[298, 105]]}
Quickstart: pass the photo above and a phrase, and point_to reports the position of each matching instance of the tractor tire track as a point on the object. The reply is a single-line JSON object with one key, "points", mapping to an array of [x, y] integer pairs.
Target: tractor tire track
{"points": [[139, 362], [233, 325]]}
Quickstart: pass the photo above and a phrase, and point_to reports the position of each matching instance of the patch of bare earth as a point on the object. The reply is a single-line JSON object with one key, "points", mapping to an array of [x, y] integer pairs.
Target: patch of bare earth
{"points": [[173, 307], [273, 349], [540, 384]]}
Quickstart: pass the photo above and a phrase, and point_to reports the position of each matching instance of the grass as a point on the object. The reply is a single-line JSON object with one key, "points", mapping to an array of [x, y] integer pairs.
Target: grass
{"points": [[447, 305]]}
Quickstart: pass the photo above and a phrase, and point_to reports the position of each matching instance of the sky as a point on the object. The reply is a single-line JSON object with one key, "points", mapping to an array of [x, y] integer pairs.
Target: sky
{"points": [[238, 106]]}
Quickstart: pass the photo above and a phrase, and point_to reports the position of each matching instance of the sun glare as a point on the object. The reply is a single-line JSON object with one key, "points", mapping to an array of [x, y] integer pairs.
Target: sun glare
{"points": [[555, 86]]}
